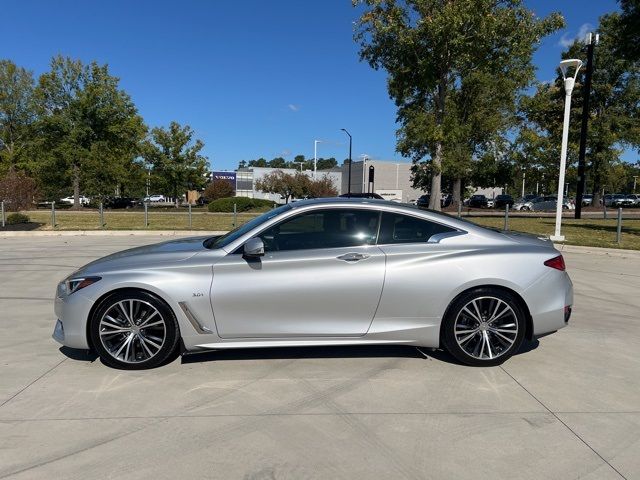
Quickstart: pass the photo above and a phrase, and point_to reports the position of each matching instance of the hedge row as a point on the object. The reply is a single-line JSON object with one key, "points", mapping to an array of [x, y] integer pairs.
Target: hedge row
{"points": [[243, 204]]}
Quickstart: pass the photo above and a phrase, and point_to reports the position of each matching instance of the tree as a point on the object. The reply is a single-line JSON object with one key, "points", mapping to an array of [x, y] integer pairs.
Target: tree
{"points": [[613, 117], [428, 47], [17, 190], [17, 113], [175, 158], [326, 163], [88, 129], [218, 188], [628, 34], [279, 183], [321, 188]]}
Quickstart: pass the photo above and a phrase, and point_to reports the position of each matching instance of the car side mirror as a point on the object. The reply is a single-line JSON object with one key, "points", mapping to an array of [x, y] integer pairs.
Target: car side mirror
{"points": [[253, 248]]}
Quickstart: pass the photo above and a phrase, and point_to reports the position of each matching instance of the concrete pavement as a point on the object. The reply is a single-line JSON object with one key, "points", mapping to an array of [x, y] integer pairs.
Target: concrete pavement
{"points": [[567, 407]]}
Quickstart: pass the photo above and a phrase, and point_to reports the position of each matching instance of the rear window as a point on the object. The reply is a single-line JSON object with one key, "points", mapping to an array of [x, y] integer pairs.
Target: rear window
{"points": [[398, 228]]}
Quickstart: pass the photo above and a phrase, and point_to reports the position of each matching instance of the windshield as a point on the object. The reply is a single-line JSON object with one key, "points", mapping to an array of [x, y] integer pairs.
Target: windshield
{"points": [[226, 239]]}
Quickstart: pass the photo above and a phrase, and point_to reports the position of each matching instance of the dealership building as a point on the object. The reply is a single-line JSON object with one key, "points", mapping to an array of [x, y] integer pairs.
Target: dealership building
{"points": [[391, 180]]}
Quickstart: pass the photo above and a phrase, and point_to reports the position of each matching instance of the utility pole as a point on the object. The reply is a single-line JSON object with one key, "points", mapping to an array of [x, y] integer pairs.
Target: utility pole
{"points": [[591, 42], [350, 141]]}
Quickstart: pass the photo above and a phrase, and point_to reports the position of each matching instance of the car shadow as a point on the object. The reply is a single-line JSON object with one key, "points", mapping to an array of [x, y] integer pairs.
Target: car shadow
{"points": [[76, 354], [351, 351]]}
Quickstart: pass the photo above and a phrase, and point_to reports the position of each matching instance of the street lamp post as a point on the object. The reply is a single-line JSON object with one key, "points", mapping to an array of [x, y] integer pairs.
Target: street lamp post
{"points": [[349, 176], [569, 82], [315, 156], [635, 181], [524, 176]]}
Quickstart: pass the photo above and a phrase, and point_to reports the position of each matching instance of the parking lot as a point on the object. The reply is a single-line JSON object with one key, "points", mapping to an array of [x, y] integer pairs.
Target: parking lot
{"points": [[567, 407]]}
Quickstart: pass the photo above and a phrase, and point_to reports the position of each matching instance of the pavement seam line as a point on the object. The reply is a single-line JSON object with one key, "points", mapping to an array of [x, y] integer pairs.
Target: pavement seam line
{"points": [[563, 423], [34, 381]]}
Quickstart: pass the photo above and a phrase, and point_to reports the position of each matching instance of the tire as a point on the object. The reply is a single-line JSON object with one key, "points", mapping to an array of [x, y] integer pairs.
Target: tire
{"points": [[525, 209], [477, 340], [148, 341]]}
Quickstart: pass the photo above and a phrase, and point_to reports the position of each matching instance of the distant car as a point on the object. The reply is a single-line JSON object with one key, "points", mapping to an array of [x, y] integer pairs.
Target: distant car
{"points": [[501, 201], [70, 200], [549, 202], [634, 200], [478, 201], [155, 198], [120, 202], [423, 201], [587, 200], [377, 196]]}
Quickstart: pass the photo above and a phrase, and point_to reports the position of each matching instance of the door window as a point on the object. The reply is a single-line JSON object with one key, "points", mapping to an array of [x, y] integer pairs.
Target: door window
{"points": [[397, 228], [331, 228]]}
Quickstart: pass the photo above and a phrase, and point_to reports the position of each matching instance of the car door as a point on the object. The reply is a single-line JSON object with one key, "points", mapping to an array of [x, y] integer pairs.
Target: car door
{"points": [[321, 275]]}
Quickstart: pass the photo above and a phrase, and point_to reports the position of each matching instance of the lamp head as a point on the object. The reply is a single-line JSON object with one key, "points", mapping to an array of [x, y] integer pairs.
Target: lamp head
{"points": [[565, 65]]}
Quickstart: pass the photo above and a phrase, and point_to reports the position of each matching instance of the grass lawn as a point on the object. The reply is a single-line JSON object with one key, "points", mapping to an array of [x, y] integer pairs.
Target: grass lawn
{"points": [[589, 232], [122, 220]]}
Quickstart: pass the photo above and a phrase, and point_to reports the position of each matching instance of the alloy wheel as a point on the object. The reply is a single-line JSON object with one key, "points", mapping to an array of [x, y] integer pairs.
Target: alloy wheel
{"points": [[132, 331], [486, 328]]}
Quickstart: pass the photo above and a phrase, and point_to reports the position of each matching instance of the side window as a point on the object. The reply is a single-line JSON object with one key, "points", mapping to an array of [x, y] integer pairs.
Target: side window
{"points": [[331, 228], [397, 228]]}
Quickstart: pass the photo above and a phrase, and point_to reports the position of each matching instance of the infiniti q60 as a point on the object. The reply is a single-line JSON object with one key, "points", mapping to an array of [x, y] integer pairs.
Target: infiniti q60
{"points": [[315, 273]]}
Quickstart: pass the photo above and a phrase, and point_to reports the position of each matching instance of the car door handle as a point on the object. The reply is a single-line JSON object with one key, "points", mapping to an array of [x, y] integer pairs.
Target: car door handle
{"points": [[353, 257]]}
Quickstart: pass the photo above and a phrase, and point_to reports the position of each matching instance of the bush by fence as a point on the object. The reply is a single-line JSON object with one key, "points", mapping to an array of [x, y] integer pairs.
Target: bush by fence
{"points": [[243, 204], [16, 218]]}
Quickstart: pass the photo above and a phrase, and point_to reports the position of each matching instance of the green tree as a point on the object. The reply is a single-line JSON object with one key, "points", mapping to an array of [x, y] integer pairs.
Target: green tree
{"points": [[326, 163], [89, 130], [17, 113], [175, 158], [428, 47], [628, 34], [614, 116], [278, 162]]}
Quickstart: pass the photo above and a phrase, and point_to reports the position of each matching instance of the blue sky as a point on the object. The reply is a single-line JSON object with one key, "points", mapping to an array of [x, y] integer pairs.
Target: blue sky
{"points": [[253, 78]]}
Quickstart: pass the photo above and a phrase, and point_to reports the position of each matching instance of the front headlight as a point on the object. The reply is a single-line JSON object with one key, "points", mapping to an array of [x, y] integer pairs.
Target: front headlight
{"points": [[73, 284]]}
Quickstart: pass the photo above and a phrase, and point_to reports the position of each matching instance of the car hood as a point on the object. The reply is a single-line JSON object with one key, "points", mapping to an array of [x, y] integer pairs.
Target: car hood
{"points": [[155, 254]]}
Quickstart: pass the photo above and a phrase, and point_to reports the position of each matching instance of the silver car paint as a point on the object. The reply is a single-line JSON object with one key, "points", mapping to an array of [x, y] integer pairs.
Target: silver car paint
{"points": [[397, 295]]}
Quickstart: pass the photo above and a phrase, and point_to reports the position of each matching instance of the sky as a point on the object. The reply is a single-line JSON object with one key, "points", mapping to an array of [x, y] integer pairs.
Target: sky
{"points": [[253, 78]]}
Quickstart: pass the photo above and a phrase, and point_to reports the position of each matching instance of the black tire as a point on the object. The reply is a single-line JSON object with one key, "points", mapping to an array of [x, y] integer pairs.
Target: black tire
{"points": [[170, 337], [457, 320]]}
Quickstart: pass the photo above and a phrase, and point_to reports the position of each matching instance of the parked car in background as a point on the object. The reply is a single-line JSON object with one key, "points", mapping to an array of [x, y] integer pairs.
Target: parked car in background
{"points": [[70, 200], [423, 201], [634, 200], [501, 201], [120, 202], [478, 201], [155, 198], [548, 202], [587, 200]]}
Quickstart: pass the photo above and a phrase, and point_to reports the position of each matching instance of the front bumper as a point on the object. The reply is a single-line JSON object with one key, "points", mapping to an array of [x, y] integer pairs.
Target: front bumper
{"points": [[72, 312]]}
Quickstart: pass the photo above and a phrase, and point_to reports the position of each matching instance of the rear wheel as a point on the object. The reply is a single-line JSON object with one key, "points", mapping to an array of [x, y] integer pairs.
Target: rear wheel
{"points": [[134, 330], [484, 327]]}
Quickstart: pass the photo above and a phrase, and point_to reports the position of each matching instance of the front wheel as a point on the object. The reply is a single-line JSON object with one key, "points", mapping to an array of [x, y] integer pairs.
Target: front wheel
{"points": [[484, 327], [134, 330]]}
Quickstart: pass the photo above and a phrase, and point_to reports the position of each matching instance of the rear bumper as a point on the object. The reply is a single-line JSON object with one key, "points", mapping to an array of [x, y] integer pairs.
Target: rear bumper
{"points": [[548, 300], [71, 328]]}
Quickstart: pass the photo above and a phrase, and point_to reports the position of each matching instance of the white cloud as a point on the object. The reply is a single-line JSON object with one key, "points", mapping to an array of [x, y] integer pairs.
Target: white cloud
{"points": [[293, 108], [567, 39]]}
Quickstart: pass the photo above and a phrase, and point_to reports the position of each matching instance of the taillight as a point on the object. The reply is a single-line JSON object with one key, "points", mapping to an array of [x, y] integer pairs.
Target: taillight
{"points": [[557, 263]]}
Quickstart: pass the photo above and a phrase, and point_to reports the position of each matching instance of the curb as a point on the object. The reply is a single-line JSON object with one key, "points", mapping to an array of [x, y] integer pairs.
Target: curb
{"points": [[614, 252], [110, 233]]}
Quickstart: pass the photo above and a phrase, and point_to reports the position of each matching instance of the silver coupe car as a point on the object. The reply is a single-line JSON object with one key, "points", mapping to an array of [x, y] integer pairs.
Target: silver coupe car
{"points": [[320, 272]]}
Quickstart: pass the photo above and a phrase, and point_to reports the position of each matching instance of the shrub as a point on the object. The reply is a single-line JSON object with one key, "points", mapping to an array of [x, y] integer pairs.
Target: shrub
{"points": [[243, 204], [16, 218], [17, 190], [218, 189]]}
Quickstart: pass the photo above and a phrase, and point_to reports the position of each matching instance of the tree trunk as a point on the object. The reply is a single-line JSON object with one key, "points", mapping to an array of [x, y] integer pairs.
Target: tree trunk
{"points": [[436, 179], [436, 161], [76, 187], [457, 191]]}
